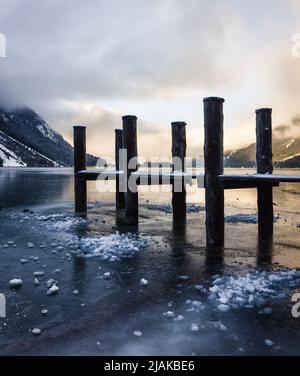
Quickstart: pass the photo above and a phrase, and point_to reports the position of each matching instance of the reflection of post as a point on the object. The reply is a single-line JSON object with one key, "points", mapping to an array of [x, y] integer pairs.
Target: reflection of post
{"points": [[78, 281], [2, 306], [214, 262], [130, 144], [120, 196], [80, 186], [178, 154], [2, 45], [179, 244], [264, 166], [213, 154], [264, 251]]}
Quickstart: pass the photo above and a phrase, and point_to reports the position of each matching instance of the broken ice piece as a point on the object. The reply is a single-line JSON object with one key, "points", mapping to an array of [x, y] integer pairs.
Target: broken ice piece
{"points": [[53, 290], [75, 292], [223, 307], [180, 318], [169, 314], [44, 311], [39, 274], [268, 342], [194, 327], [24, 261], [15, 283], [267, 310], [50, 282], [184, 277], [36, 331], [137, 333], [143, 282], [36, 282], [30, 245], [106, 275]]}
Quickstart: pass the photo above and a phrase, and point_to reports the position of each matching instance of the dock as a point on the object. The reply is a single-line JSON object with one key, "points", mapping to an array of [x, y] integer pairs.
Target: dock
{"points": [[128, 177]]}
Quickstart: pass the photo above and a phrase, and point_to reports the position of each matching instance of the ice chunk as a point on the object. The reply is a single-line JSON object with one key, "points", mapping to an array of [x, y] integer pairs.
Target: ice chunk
{"points": [[194, 327], [50, 282], [269, 343], [223, 307], [39, 274], [53, 290], [143, 282], [184, 277], [137, 333], [170, 314], [15, 283], [36, 331]]}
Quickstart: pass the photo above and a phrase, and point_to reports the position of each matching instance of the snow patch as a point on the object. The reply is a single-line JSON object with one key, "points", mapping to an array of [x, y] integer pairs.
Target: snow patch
{"points": [[61, 222], [255, 289], [112, 247], [241, 218], [9, 158]]}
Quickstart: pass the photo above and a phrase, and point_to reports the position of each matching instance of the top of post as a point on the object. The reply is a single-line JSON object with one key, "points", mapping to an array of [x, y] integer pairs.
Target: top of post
{"points": [[129, 117], [214, 99], [263, 110], [118, 130], [178, 124], [79, 126]]}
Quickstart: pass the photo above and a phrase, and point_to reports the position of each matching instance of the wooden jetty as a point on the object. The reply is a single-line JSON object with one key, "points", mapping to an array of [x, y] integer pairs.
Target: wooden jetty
{"points": [[213, 180]]}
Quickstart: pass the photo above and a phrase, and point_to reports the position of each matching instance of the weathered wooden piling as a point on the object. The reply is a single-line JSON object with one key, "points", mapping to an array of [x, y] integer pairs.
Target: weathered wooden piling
{"points": [[213, 156], [80, 185], [120, 196], [178, 187], [130, 145], [264, 166]]}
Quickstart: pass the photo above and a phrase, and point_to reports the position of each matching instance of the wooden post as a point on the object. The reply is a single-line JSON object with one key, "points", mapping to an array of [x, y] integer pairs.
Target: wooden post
{"points": [[178, 187], [130, 144], [264, 166], [213, 156], [80, 186], [120, 196]]}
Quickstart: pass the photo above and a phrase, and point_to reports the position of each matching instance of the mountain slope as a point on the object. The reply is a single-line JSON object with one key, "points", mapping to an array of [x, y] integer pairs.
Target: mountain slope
{"points": [[27, 140], [286, 153]]}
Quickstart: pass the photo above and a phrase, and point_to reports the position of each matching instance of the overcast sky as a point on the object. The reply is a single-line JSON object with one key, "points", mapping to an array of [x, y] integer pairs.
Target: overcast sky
{"points": [[90, 62]]}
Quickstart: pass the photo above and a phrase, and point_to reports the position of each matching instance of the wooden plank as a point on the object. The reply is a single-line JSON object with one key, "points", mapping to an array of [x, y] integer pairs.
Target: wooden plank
{"points": [[250, 181], [259, 178], [80, 186], [143, 178], [213, 156]]}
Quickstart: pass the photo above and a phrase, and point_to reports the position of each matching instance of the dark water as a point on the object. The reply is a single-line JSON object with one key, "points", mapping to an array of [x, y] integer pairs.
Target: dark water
{"points": [[103, 317]]}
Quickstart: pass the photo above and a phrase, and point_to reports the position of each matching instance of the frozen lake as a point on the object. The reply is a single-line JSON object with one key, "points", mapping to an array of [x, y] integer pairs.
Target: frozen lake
{"points": [[156, 292]]}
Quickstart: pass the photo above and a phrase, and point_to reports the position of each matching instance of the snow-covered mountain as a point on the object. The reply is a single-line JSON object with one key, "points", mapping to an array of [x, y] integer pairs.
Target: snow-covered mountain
{"points": [[27, 140], [286, 153]]}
